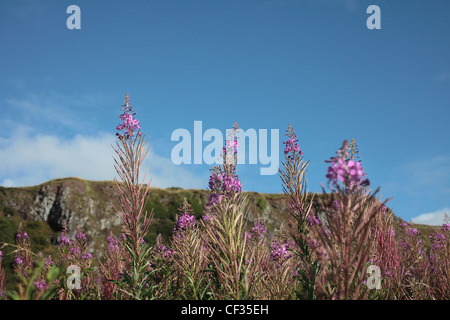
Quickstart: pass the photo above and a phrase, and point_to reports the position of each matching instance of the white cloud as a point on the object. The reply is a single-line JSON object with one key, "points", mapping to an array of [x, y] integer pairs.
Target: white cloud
{"points": [[435, 218], [165, 174], [33, 159]]}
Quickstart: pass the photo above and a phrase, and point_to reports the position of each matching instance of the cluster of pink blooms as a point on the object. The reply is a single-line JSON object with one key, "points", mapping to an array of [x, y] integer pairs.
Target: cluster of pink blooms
{"points": [[113, 244], [161, 251], [438, 239], [223, 181], [344, 170], [292, 146], [20, 235], [232, 145], [280, 250], [222, 184], [226, 183], [185, 222], [348, 172], [258, 230], [64, 239], [313, 220], [18, 259], [129, 124]]}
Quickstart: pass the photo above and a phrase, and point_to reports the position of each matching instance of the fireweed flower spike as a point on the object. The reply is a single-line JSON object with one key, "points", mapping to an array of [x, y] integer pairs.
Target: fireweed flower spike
{"points": [[347, 215], [23, 258], [133, 196], [292, 146], [129, 124], [344, 170], [184, 222], [293, 177], [224, 181]]}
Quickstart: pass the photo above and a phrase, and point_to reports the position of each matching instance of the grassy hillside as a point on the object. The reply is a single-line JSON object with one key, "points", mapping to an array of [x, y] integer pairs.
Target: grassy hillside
{"points": [[87, 205]]}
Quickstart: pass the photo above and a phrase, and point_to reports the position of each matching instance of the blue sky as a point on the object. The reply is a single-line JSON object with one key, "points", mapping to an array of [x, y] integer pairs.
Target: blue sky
{"points": [[261, 63]]}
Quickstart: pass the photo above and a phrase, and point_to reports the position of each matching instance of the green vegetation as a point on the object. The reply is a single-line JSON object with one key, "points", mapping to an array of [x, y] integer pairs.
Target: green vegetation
{"points": [[163, 202]]}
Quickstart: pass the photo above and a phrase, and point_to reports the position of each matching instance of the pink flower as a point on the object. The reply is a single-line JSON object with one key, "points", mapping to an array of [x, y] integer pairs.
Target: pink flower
{"points": [[348, 172], [292, 145], [129, 124]]}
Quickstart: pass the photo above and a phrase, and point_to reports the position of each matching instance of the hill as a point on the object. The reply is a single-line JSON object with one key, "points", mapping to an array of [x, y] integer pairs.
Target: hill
{"points": [[87, 206]]}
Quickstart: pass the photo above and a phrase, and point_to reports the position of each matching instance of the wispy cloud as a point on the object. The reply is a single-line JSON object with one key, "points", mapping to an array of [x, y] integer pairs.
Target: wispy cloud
{"points": [[53, 111], [432, 218], [430, 174], [442, 77]]}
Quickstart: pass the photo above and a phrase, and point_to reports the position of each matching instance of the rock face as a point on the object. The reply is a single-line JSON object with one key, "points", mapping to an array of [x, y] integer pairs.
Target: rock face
{"points": [[74, 203], [51, 206]]}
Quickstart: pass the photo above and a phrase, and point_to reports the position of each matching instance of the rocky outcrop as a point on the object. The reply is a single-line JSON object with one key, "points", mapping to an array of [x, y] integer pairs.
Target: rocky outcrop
{"points": [[74, 203], [50, 205]]}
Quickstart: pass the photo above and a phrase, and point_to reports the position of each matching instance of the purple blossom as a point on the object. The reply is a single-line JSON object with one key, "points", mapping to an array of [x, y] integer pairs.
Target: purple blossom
{"points": [[41, 285], [446, 227], [413, 231], [185, 222], [347, 172], [80, 236], [337, 205], [232, 145], [223, 184], [161, 251], [313, 220], [18, 261], [258, 230], [280, 250], [292, 145], [438, 240], [86, 256], [344, 170], [65, 239], [223, 181], [113, 245], [129, 124], [1, 255], [75, 251]]}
